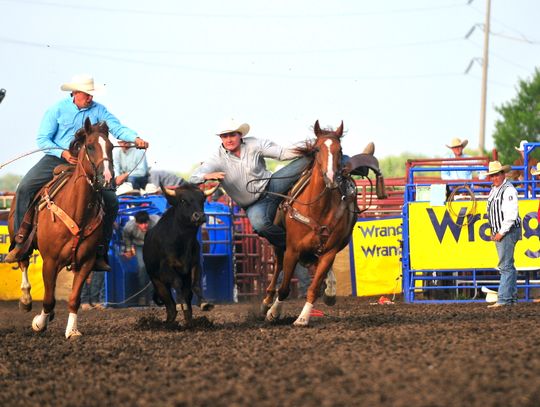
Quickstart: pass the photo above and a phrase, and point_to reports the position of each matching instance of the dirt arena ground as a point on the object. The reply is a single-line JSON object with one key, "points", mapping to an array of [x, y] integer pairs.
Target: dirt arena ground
{"points": [[356, 354]]}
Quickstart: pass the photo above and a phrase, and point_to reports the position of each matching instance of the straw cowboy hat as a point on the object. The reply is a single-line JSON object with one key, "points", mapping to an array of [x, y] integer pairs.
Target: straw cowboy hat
{"points": [[536, 171], [457, 143], [232, 126], [83, 83], [126, 189], [521, 145], [495, 167]]}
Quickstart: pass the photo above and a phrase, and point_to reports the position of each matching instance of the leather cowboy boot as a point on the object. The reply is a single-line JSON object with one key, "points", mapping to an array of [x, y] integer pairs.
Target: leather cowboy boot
{"points": [[101, 261], [20, 238], [14, 254]]}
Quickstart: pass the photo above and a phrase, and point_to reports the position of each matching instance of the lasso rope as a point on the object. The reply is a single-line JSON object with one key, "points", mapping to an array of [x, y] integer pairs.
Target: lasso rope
{"points": [[470, 216], [60, 148]]}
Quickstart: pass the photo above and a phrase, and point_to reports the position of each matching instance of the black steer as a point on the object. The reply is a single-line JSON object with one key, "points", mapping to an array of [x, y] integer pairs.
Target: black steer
{"points": [[171, 251]]}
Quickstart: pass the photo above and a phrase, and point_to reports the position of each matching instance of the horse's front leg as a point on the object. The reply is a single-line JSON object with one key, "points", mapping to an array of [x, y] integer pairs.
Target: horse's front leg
{"points": [[74, 301], [25, 302], [324, 264], [289, 264], [271, 289], [49, 272]]}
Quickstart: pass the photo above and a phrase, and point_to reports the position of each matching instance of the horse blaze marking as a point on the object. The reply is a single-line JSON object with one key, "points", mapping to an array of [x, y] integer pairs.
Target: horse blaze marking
{"points": [[329, 170], [106, 173]]}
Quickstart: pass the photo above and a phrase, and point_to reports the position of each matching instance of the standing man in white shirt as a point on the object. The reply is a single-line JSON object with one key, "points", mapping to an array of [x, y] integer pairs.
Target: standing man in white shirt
{"points": [[505, 223]]}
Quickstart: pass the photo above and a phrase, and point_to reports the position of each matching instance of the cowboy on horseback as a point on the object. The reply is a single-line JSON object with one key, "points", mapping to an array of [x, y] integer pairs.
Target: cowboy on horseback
{"points": [[240, 166], [55, 134]]}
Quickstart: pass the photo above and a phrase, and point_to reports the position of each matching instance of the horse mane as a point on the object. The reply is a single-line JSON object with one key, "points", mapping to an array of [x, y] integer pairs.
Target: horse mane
{"points": [[309, 148], [80, 135]]}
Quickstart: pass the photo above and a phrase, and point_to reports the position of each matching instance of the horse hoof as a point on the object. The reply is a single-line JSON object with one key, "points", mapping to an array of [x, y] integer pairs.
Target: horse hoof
{"points": [[36, 324], [301, 322], [329, 300], [264, 308], [73, 334], [25, 307], [271, 317], [207, 306]]}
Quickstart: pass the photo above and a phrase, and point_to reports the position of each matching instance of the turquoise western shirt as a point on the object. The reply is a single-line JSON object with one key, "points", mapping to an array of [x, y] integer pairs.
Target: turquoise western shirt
{"points": [[61, 121]]}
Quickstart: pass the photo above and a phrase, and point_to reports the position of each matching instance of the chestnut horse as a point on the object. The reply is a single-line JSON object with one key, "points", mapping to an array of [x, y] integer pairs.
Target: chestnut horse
{"points": [[69, 226], [319, 220]]}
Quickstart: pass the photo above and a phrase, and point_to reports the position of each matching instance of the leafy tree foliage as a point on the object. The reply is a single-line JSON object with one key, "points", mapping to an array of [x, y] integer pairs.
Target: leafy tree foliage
{"points": [[9, 182], [520, 120]]}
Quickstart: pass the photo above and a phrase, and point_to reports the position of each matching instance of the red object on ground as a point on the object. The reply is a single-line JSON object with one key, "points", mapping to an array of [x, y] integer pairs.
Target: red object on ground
{"points": [[316, 313], [384, 300]]}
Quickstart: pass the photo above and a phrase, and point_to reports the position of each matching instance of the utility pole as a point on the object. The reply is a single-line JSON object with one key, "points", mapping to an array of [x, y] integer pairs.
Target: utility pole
{"points": [[485, 62]]}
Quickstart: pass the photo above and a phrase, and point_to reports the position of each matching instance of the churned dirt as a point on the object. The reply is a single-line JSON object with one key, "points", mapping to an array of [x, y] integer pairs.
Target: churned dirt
{"points": [[355, 354]]}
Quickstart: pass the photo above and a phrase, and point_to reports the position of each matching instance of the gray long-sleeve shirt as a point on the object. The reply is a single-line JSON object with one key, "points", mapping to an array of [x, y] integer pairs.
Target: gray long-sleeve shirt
{"points": [[133, 236], [250, 168]]}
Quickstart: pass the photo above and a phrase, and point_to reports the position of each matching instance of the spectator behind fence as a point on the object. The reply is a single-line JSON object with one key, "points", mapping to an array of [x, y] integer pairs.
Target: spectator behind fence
{"points": [[505, 224], [130, 164], [517, 175], [456, 146], [133, 237]]}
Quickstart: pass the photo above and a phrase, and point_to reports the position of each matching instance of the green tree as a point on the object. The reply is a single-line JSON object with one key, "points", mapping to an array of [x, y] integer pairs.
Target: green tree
{"points": [[9, 182], [520, 119]]}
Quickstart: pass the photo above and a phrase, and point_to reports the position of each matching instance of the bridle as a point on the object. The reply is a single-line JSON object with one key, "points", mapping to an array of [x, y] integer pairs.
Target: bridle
{"points": [[317, 157], [95, 180]]}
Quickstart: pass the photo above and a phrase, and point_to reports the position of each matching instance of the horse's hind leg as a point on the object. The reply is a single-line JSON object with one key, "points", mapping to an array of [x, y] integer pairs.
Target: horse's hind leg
{"points": [[25, 302], [330, 285], [271, 289]]}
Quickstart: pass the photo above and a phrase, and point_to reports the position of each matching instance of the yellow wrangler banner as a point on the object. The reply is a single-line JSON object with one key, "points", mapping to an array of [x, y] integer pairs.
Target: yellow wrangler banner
{"points": [[376, 252], [458, 239], [10, 275]]}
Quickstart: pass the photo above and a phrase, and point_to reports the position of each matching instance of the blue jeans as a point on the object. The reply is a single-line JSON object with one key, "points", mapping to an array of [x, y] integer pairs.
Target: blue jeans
{"points": [[505, 249], [94, 293], [262, 212], [38, 176], [138, 182]]}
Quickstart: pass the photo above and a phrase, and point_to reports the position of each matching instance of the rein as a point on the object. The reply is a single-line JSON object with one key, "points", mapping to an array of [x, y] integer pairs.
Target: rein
{"points": [[138, 162]]}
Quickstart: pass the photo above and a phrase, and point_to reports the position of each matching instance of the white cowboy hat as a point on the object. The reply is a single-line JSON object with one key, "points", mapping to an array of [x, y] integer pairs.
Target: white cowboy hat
{"points": [[83, 83], [536, 171], [457, 143], [150, 189], [521, 145], [491, 296], [496, 167], [232, 126], [126, 189]]}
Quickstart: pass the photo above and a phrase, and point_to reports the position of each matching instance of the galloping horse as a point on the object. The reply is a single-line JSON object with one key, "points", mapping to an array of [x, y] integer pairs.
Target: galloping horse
{"points": [[319, 219], [69, 225]]}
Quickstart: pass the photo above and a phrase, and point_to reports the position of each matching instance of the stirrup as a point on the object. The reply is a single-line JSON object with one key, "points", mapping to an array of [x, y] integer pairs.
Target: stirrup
{"points": [[14, 255], [101, 265]]}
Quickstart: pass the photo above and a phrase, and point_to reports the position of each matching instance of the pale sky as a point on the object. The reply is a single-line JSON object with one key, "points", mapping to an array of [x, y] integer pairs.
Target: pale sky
{"points": [[392, 70]]}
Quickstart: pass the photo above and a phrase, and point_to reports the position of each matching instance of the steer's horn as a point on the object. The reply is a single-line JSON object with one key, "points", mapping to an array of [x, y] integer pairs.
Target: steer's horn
{"points": [[168, 191], [210, 191]]}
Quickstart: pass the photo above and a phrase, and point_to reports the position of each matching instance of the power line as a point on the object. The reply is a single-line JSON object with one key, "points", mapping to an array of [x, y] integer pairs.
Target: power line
{"points": [[233, 52], [235, 15]]}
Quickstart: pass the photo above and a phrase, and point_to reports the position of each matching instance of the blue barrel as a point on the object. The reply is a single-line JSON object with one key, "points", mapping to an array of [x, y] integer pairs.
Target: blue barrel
{"points": [[217, 252]]}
